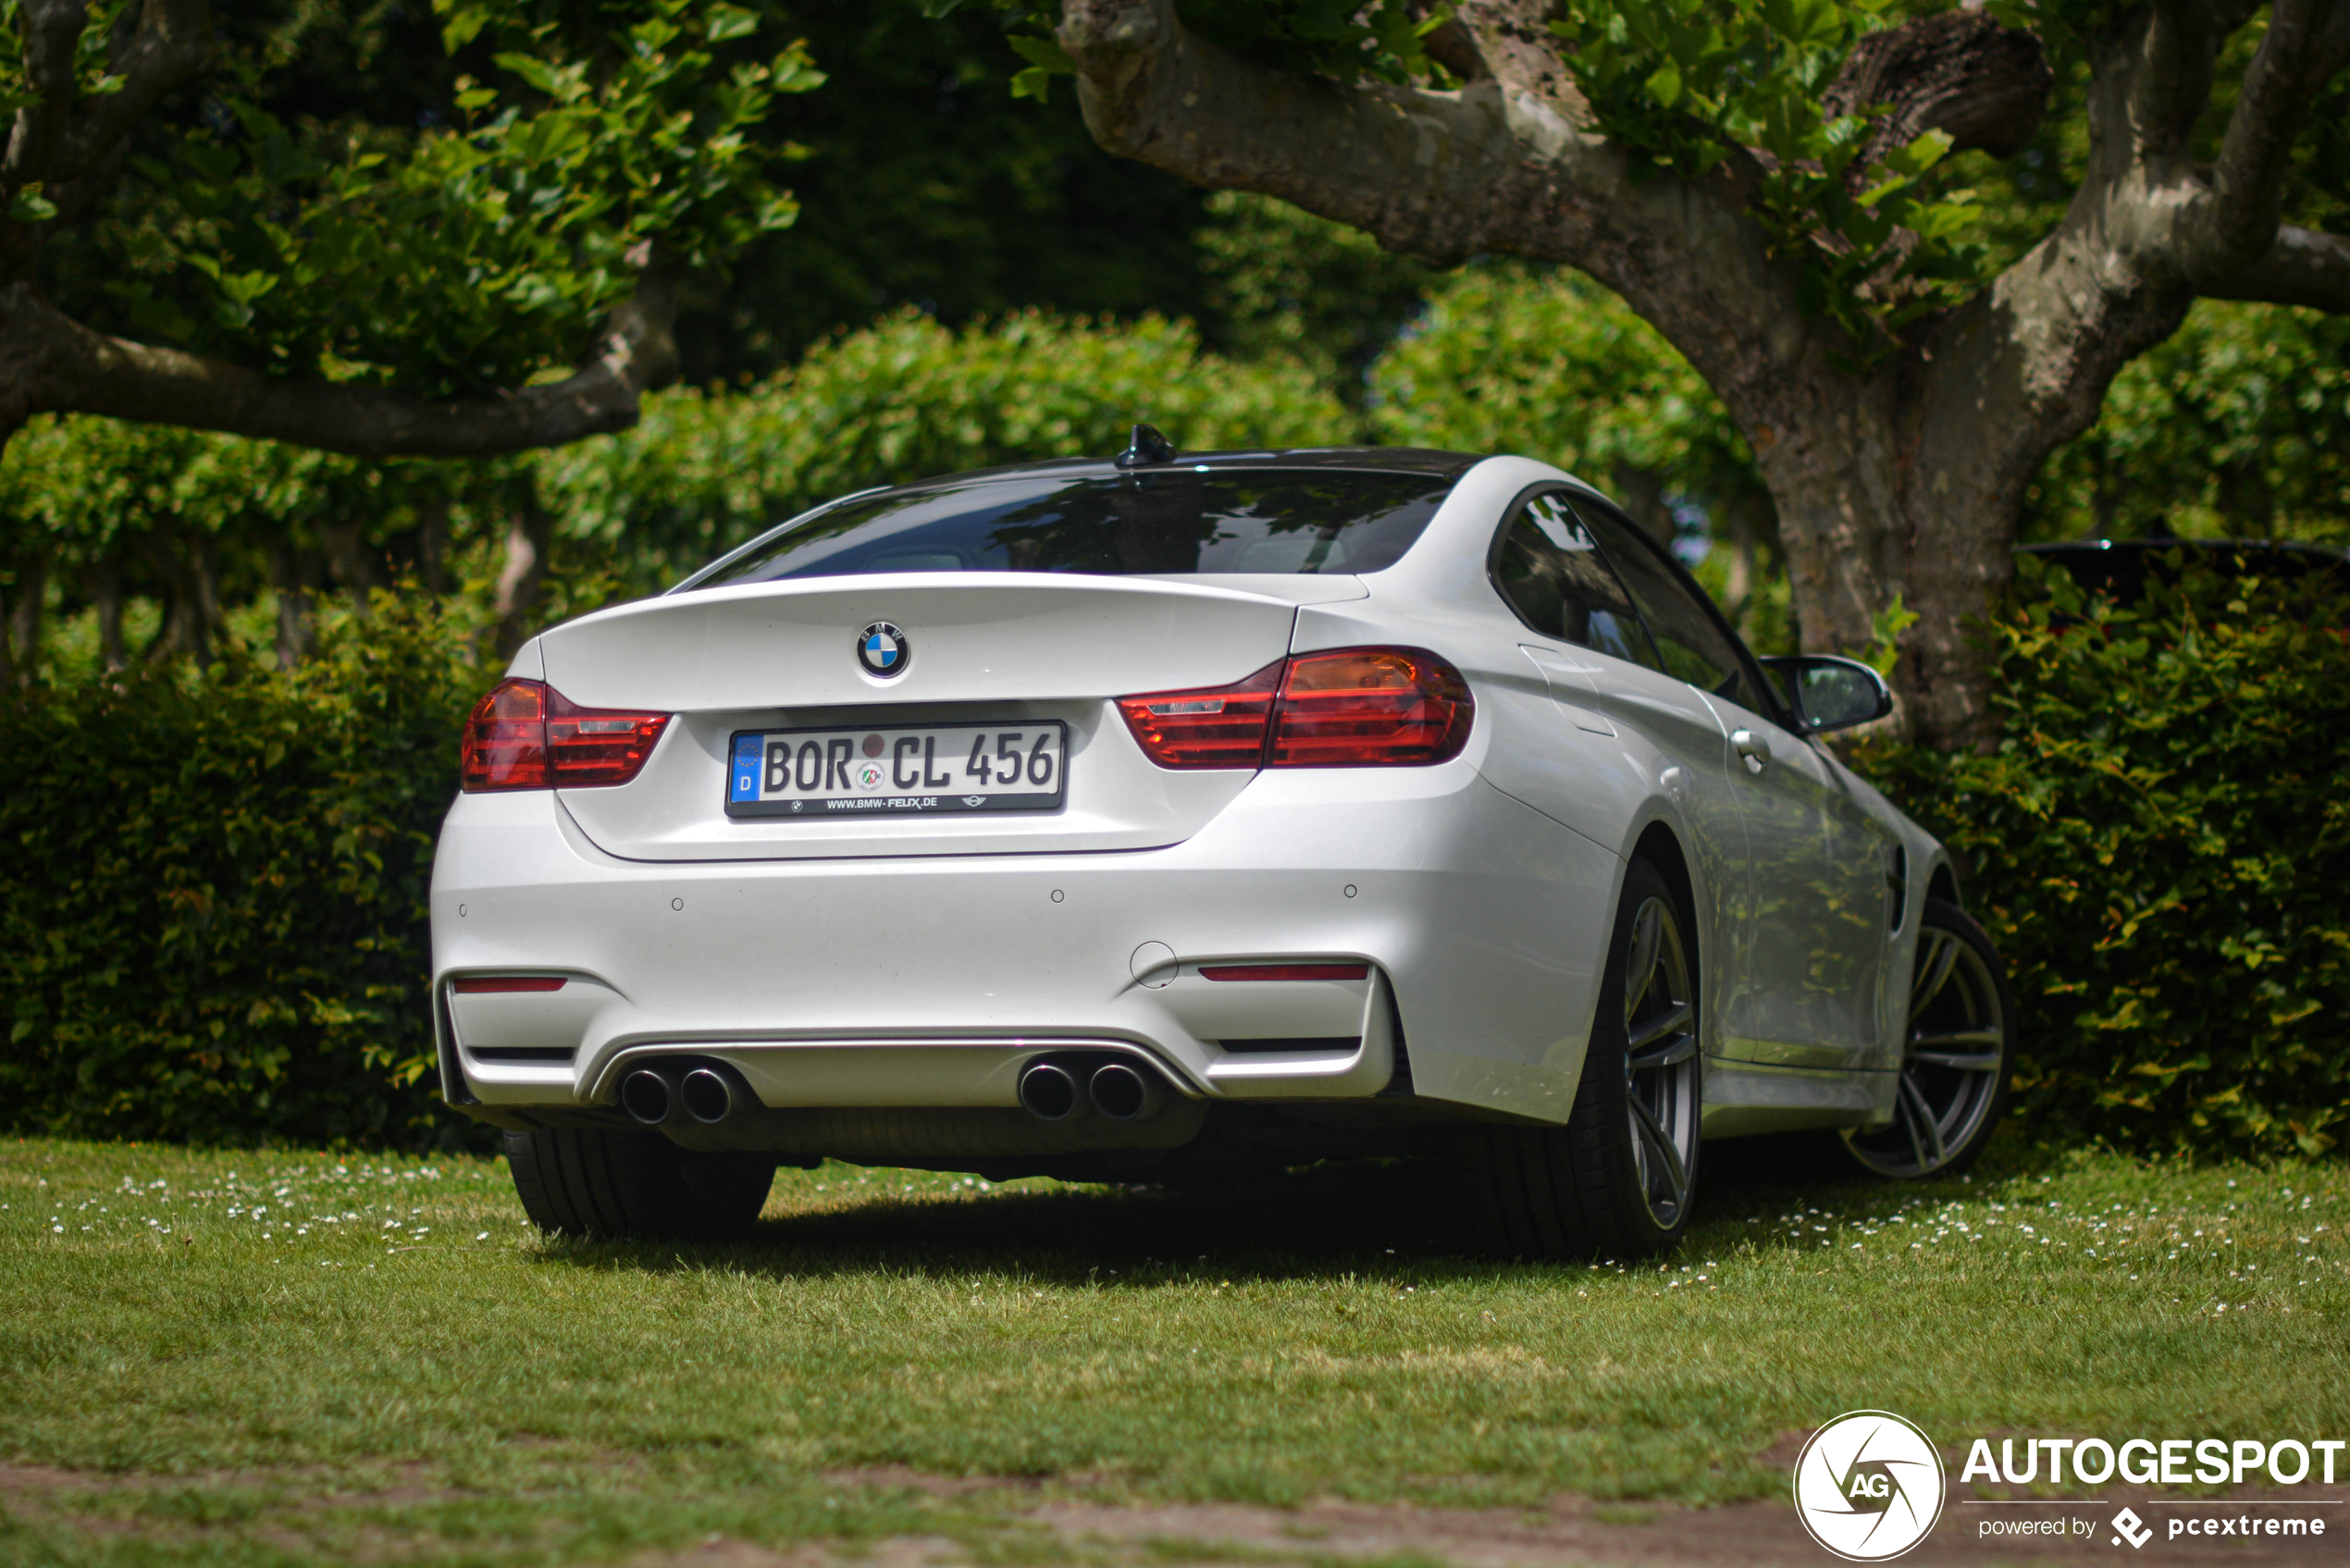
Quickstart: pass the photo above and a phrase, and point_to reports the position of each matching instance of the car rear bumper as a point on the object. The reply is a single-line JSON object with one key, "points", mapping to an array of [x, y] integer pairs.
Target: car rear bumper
{"points": [[929, 980]]}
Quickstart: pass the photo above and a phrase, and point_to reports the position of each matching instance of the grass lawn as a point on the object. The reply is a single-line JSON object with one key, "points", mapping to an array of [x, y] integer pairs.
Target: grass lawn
{"points": [[290, 1357]]}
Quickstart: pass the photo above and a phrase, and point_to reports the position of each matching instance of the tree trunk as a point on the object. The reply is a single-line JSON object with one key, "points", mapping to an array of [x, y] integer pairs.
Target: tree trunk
{"points": [[529, 549], [190, 567], [21, 650], [356, 566], [432, 546], [291, 575], [105, 599]]}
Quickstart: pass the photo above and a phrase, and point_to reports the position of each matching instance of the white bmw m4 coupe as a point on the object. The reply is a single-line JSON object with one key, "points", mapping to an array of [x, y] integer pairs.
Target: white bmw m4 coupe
{"points": [[1192, 816]]}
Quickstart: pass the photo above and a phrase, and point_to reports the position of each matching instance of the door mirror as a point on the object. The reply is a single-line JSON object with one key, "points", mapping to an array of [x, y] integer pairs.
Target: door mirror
{"points": [[1828, 692]]}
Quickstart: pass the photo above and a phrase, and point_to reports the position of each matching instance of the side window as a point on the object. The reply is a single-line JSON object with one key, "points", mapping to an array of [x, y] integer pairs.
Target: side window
{"points": [[1688, 640], [1559, 584]]}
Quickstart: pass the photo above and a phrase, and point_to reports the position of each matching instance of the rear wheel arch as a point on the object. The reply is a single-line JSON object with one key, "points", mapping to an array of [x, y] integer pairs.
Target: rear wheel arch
{"points": [[1944, 884], [1661, 848]]}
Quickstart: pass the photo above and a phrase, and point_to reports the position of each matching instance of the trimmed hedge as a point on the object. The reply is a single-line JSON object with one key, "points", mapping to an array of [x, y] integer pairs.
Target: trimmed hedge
{"points": [[212, 911], [2161, 846], [212, 916]]}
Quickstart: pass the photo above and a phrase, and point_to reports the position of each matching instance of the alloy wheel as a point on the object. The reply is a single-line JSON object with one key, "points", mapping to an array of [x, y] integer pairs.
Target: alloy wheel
{"points": [[1952, 1068], [1661, 1064]]}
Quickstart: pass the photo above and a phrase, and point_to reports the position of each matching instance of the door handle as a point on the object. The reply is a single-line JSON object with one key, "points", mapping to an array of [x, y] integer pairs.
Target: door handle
{"points": [[1752, 749]]}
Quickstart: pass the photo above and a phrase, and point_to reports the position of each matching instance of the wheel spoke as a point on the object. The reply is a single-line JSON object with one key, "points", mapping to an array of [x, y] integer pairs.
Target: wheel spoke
{"points": [[1675, 1022], [1668, 1053], [1934, 968], [1990, 1037], [1961, 1061], [1923, 1123], [1661, 1149], [1639, 969]]}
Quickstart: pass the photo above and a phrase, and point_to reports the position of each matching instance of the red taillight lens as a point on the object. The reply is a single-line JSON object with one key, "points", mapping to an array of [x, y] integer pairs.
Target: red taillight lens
{"points": [[1223, 727], [526, 734], [1370, 707], [486, 984], [1284, 971], [505, 744], [598, 746], [1349, 708]]}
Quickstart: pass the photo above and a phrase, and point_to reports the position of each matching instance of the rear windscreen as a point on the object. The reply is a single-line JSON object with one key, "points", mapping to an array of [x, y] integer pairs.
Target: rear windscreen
{"points": [[1165, 521]]}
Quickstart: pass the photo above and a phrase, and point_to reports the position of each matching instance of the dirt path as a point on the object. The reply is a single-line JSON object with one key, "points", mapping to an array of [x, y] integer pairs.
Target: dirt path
{"points": [[1568, 1531]]}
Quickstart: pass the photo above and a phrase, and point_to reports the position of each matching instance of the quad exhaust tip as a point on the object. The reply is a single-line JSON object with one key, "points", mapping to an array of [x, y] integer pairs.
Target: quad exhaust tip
{"points": [[663, 1094], [710, 1094], [1121, 1094], [1049, 1093], [645, 1094], [1114, 1090]]}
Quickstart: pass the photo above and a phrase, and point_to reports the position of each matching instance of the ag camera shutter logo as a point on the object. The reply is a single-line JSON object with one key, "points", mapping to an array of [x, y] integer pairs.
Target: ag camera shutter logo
{"points": [[1869, 1486]]}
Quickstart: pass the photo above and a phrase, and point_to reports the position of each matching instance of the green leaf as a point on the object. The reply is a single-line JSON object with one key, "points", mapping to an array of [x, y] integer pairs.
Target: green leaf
{"points": [[1921, 154], [536, 72], [731, 21], [1044, 54], [31, 205], [461, 28], [1664, 84]]}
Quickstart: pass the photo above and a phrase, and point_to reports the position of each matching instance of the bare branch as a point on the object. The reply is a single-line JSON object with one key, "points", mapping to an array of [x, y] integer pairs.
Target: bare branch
{"points": [[2306, 42], [52, 28], [1514, 42], [53, 364], [1958, 72], [1446, 176], [2304, 267], [170, 44]]}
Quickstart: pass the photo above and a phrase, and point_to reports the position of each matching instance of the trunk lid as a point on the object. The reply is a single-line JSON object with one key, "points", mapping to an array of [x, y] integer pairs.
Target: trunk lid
{"points": [[982, 649]]}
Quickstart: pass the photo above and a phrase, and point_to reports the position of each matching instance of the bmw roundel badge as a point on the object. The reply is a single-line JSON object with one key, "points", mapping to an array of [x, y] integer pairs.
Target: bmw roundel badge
{"points": [[882, 649]]}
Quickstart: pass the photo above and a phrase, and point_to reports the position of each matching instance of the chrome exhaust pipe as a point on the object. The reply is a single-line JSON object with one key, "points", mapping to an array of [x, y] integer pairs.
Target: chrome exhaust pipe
{"points": [[646, 1095], [1124, 1093], [713, 1093], [1049, 1093]]}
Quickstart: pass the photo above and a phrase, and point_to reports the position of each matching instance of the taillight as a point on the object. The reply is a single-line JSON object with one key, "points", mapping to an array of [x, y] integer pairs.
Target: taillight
{"points": [[1218, 728], [526, 734], [1348, 707], [1370, 707], [505, 744]]}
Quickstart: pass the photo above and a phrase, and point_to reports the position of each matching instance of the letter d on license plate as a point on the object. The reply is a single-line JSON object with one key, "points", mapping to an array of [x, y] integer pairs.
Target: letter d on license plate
{"points": [[910, 770]]}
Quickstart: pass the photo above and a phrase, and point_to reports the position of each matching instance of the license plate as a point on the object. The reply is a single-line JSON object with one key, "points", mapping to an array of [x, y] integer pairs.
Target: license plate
{"points": [[912, 769]]}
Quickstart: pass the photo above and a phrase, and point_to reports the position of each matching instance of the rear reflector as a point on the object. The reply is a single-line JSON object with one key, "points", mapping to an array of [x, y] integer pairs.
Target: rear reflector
{"points": [[1348, 707], [1284, 971], [526, 734], [482, 984]]}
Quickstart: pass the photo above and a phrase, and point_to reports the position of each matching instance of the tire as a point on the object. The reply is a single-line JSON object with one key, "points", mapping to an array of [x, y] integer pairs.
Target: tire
{"points": [[1618, 1180], [1958, 1056], [613, 1185]]}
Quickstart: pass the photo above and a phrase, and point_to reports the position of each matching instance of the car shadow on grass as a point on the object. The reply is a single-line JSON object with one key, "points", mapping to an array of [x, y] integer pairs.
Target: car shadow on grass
{"points": [[1408, 1219]]}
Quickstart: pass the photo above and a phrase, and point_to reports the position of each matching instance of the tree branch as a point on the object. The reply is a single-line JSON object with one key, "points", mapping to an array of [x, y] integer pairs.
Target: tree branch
{"points": [[2307, 42], [55, 364], [2304, 267], [170, 44], [1958, 72], [1449, 174], [52, 28]]}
